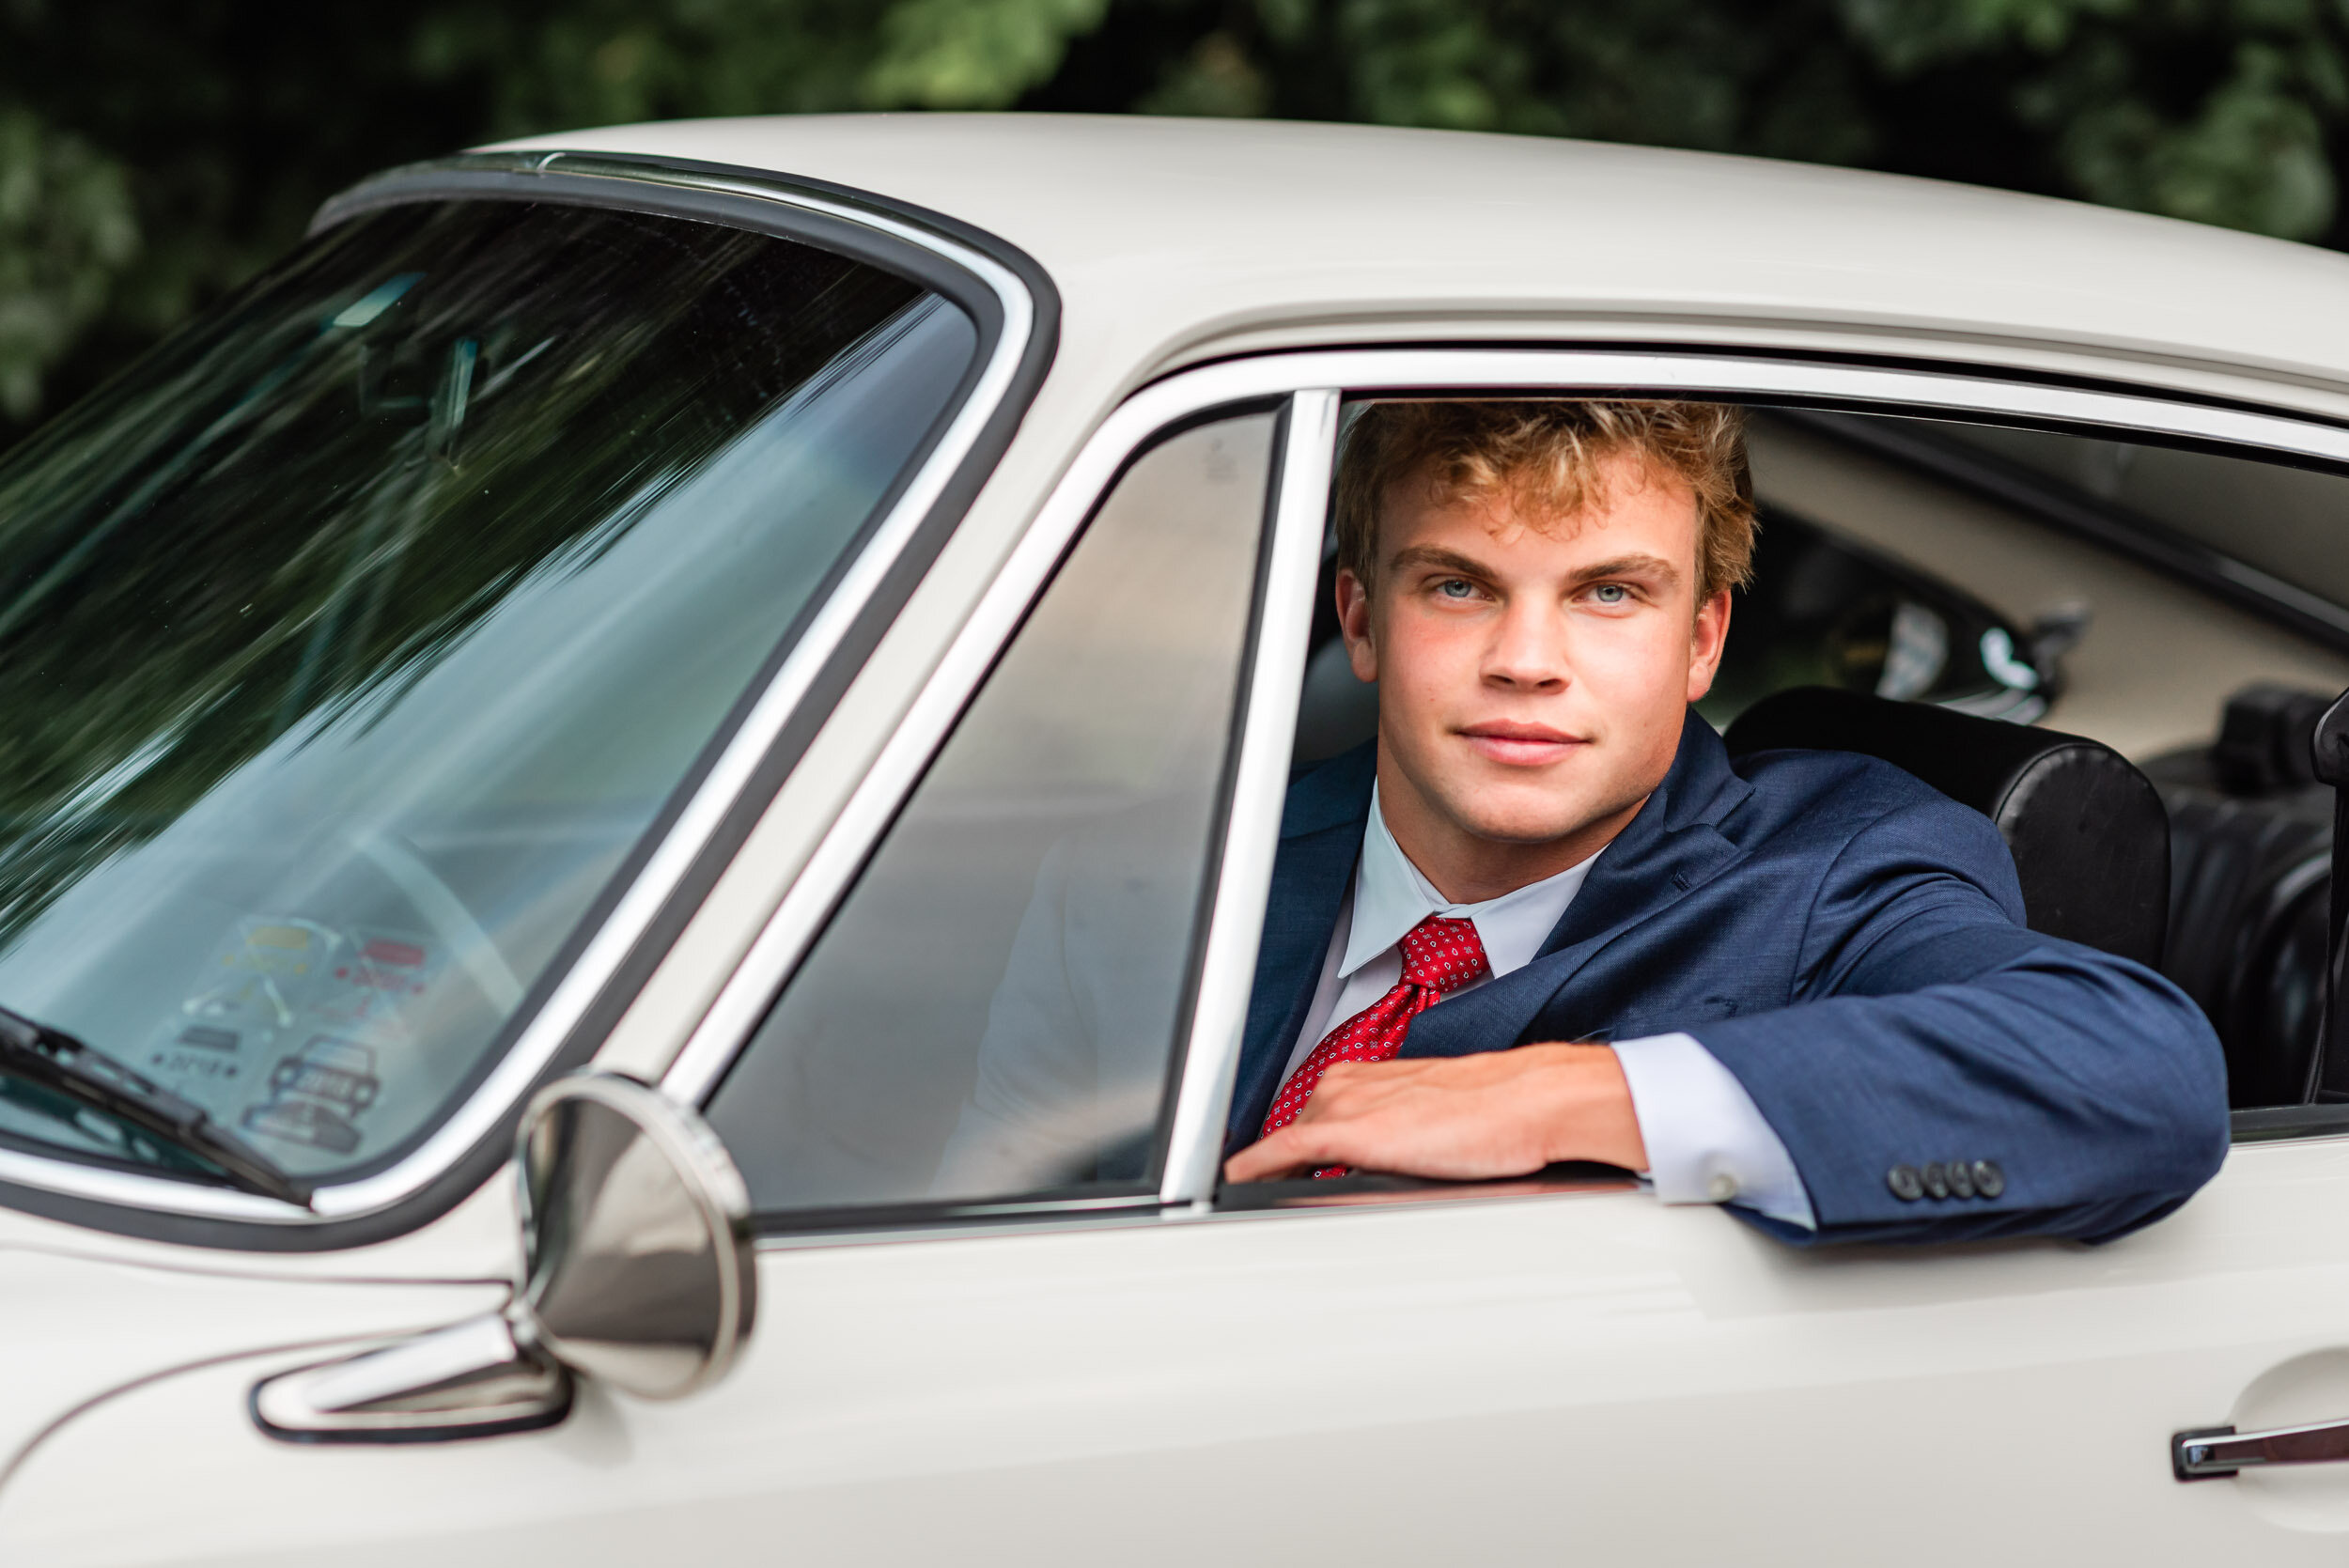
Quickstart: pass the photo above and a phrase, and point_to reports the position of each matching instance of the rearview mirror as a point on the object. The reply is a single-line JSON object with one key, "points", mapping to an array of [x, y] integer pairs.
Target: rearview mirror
{"points": [[637, 1272]]}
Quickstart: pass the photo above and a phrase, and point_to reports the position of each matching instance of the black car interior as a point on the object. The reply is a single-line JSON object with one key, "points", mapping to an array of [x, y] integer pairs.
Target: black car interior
{"points": [[2251, 854]]}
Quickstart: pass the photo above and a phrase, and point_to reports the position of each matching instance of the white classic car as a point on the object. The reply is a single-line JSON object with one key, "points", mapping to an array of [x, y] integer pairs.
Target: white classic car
{"points": [[604, 639]]}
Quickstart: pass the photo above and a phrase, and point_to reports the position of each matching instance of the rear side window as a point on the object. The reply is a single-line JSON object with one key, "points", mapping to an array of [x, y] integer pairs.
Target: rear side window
{"points": [[996, 1009]]}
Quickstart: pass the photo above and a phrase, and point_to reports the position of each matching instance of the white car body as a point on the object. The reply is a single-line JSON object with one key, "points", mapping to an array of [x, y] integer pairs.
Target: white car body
{"points": [[1475, 1377]]}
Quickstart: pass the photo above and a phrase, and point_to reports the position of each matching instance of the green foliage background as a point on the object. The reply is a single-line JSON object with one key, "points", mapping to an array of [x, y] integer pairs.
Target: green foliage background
{"points": [[154, 152]]}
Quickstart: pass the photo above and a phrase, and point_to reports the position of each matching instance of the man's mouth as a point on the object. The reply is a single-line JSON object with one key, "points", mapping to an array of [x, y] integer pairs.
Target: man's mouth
{"points": [[1519, 745]]}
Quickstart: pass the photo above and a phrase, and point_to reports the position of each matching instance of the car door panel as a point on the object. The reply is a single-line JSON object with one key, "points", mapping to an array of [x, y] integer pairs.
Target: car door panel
{"points": [[1581, 1373]]}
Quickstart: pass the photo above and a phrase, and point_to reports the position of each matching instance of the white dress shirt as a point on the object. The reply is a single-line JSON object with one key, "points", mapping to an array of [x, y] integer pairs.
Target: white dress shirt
{"points": [[1706, 1141]]}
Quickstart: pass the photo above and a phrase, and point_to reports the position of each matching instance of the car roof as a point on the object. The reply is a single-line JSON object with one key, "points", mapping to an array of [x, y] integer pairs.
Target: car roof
{"points": [[1181, 237]]}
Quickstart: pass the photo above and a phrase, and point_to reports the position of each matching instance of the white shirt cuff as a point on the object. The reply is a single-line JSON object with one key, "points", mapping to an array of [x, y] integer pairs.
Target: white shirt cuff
{"points": [[1706, 1142]]}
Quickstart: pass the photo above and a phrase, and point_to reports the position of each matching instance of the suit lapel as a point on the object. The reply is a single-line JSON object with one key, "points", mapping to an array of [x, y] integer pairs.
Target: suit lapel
{"points": [[1671, 848], [1321, 838]]}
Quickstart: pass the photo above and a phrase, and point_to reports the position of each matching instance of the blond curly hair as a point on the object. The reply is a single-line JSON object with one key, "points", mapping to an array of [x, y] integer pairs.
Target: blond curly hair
{"points": [[1549, 457]]}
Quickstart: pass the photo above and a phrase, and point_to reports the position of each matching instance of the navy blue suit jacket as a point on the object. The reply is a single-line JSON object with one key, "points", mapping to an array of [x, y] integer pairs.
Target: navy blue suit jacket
{"points": [[1849, 943]]}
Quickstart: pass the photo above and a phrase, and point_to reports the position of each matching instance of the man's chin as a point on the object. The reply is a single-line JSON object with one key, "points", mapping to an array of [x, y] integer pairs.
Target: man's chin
{"points": [[1544, 821]]}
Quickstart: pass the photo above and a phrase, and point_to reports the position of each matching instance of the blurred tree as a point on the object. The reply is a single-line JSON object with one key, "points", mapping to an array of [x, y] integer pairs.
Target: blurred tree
{"points": [[154, 152], [65, 228]]}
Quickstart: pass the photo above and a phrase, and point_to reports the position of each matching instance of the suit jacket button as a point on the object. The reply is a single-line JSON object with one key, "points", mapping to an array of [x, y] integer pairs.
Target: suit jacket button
{"points": [[1936, 1180], [1903, 1180], [1961, 1180], [1989, 1179]]}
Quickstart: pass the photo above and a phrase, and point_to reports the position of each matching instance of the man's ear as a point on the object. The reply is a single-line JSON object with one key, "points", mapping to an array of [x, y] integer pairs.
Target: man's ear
{"points": [[1354, 624], [1705, 643]]}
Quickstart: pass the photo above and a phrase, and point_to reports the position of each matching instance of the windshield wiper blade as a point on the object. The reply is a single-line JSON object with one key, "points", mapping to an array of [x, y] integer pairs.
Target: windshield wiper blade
{"points": [[57, 1062]]}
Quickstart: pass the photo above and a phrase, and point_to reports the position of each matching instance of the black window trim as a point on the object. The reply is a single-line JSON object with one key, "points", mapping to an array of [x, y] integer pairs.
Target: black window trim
{"points": [[1015, 306]]}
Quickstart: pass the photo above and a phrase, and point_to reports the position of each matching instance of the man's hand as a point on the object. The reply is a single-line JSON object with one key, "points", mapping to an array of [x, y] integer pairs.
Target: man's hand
{"points": [[1498, 1114]]}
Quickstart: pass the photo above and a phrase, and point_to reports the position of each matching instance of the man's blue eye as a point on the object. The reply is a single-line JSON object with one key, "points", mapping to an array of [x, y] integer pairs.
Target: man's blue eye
{"points": [[1611, 593], [1453, 587]]}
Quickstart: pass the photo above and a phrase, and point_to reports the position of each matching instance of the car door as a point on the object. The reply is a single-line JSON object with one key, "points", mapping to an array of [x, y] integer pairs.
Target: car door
{"points": [[892, 1091], [974, 1074]]}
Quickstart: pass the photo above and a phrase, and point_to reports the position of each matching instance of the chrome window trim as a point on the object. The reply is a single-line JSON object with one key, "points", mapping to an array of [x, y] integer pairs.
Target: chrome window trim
{"points": [[1251, 831], [1316, 380], [543, 1036]]}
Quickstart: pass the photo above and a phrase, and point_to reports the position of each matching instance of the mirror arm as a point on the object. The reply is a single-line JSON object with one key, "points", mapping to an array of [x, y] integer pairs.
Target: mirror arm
{"points": [[471, 1379]]}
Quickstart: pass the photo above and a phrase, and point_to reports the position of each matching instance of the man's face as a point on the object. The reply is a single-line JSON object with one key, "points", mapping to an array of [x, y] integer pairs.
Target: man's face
{"points": [[1532, 672]]}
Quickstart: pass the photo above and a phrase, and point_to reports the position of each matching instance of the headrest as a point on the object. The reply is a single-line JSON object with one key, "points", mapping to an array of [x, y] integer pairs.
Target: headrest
{"points": [[2087, 831]]}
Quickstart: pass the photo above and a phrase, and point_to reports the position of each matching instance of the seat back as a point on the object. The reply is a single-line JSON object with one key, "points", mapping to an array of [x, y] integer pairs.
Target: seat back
{"points": [[2090, 838], [2248, 881]]}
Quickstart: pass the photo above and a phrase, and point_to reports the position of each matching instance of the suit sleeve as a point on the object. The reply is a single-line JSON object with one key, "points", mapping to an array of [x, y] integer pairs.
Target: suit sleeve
{"points": [[1931, 1026]]}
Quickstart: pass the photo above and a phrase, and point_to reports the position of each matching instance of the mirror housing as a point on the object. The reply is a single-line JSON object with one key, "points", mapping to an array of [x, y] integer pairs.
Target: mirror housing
{"points": [[638, 1271], [637, 1229]]}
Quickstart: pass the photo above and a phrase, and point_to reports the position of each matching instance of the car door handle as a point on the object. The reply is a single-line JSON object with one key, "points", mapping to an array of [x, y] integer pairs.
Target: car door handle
{"points": [[2211, 1451]]}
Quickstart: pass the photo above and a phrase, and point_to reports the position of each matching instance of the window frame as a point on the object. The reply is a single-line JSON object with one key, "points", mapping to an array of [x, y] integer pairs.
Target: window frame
{"points": [[1316, 383], [1246, 820]]}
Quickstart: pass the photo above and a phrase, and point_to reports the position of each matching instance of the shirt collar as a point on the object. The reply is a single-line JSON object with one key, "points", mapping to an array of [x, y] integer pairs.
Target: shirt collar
{"points": [[1391, 895]]}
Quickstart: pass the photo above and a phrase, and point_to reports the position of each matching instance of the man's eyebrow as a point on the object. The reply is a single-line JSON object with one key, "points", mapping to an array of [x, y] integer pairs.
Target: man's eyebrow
{"points": [[1442, 560], [1638, 564], [1629, 566]]}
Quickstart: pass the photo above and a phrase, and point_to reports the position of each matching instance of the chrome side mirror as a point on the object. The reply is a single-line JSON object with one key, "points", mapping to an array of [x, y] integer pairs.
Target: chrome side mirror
{"points": [[636, 1226], [637, 1272]]}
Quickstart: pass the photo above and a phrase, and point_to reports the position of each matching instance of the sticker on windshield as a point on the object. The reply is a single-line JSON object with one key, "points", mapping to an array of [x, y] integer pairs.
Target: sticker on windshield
{"points": [[200, 1052], [260, 976], [318, 1094], [252, 991], [274, 980], [372, 990]]}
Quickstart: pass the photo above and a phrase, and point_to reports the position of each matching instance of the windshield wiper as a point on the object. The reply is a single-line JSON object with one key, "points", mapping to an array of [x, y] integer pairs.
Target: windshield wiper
{"points": [[55, 1060]]}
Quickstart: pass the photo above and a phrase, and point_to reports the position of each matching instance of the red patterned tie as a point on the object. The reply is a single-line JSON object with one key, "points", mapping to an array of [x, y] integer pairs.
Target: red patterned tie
{"points": [[1439, 956]]}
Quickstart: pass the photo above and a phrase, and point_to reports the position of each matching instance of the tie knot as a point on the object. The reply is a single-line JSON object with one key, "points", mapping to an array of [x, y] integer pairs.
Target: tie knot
{"points": [[1444, 955]]}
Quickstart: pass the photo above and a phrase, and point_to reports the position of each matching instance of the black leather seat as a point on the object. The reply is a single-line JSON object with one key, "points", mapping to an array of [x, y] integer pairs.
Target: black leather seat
{"points": [[2248, 927], [2250, 852], [2089, 837]]}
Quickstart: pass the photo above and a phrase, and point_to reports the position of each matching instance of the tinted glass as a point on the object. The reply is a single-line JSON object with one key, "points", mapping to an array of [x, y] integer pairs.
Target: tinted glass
{"points": [[351, 643], [995, 1008], [2289, 522], [1822, 611]]}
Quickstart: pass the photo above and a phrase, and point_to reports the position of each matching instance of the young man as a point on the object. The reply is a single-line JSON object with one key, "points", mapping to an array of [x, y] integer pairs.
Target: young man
{"points": [[1544, 916]]}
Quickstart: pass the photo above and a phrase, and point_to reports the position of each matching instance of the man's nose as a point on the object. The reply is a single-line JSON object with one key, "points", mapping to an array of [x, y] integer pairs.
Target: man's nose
{"points": [[1528, 649]]}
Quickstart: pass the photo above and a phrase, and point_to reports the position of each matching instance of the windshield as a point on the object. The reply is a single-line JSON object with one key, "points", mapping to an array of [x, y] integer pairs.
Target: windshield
{"points": [[350, 643]]}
